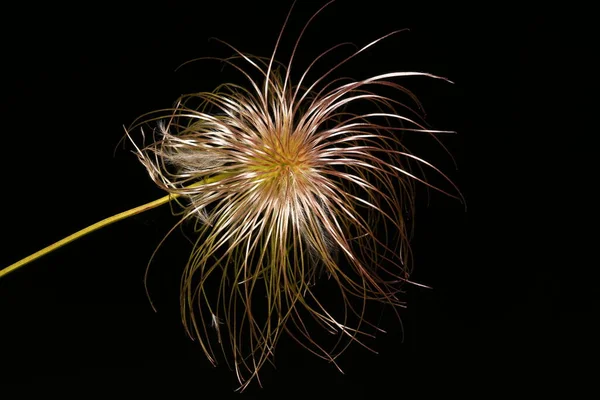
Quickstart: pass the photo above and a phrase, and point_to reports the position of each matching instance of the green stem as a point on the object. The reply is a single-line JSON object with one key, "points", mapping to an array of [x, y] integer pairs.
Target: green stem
{"points": [[98, 225]]}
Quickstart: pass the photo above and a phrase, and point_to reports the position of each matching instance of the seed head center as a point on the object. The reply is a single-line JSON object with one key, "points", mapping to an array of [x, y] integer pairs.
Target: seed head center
{"points": [[285, 161]]}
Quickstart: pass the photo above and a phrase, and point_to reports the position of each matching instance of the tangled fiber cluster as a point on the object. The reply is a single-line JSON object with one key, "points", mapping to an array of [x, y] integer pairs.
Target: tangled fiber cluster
{"points": [[288, 181]]}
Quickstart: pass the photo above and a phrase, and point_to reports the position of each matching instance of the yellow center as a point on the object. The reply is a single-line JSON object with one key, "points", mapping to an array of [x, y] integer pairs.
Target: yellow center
{"points": [[282, 164]]}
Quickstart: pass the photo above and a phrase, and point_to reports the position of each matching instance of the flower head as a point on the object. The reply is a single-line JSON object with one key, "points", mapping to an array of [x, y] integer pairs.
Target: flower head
{"points": [[288, 181]]}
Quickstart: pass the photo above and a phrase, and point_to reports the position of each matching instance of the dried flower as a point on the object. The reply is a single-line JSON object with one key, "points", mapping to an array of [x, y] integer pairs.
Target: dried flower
{"points": [[288, 181]]}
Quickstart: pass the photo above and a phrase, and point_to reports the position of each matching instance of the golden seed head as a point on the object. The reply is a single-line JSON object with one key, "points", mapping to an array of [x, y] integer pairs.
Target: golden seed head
{"points": [[287, 183]]}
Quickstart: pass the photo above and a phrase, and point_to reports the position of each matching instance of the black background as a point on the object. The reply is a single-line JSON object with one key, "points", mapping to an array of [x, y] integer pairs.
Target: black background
{"points": [[78, 319]]}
